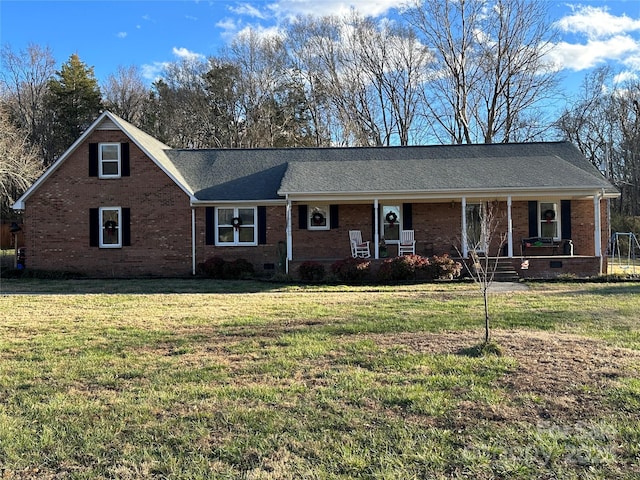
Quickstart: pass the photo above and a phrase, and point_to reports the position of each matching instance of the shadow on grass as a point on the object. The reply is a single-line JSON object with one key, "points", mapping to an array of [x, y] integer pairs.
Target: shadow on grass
{"points": [[141, 286], [481, 350]]}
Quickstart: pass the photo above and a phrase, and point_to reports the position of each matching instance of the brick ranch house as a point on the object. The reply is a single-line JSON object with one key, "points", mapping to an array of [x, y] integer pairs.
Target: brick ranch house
{"points": [[119, 203]]}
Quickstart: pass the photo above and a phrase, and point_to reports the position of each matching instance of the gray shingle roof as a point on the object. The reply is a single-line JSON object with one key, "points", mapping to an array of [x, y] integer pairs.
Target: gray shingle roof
{"points": [[268, 174]]}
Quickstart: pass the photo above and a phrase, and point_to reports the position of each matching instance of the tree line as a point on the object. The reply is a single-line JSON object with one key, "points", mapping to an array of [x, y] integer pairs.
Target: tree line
{"points": [[445, 72]]}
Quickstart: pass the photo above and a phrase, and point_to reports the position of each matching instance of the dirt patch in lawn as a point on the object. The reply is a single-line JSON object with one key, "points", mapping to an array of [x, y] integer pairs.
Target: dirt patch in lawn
{"points": [[557, 377]]}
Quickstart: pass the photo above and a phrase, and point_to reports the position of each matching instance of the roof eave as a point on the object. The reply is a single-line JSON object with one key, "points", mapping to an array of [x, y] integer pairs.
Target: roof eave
{"points": [[203, 203], [20, 203], [582, 191], [180, 183]]}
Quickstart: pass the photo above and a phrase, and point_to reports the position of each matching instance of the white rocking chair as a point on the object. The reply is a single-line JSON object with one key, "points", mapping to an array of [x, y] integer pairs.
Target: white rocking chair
{"points": [[358, 247], [407, 243]]}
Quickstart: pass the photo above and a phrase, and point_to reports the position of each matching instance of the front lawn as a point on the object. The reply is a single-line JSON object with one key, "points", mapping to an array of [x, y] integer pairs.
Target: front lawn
{"points": [[202, 379]]}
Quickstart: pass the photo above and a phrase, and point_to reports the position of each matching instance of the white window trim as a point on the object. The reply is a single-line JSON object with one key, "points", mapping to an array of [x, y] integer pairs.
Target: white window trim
{"points": [[100, 161], [310, 209], [383, 220], [236, 233], [101, 226], [556, 220]]}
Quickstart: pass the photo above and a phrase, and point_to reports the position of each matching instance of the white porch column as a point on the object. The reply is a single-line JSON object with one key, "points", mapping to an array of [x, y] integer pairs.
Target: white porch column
{"points": [[597, 238], [376, 230], [465, 248], [193, 241], [509, 229], [288, 235]]}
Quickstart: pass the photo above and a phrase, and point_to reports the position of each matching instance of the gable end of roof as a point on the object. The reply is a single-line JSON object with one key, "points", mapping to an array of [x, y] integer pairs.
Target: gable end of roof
{"points": [[153, 148]]}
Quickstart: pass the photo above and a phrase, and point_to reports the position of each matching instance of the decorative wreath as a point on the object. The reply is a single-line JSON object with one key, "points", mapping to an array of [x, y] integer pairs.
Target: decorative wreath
{"points": [[317, 218], [549, 215], [391, 218], [110, 225], [236, 222]]}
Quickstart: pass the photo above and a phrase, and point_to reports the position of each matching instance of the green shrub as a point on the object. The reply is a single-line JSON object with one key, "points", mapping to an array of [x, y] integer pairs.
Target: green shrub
{"points": [[311, 271], [405, 267], [351, 269], [217, 267], [41, 274], [443, 267], [280, 277], [237, 269], [212, 267]]}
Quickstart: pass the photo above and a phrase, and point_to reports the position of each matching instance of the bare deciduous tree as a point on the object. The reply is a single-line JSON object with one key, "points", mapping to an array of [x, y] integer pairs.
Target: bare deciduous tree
{"points": [[19, 163], [491, 74], [24, 83], [124, 93], [482, 265], [272, 103], [369, 74], [604, 123], [182, 118]]}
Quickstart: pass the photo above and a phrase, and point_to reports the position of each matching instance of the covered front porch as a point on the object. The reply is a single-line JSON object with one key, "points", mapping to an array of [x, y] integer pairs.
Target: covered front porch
{"points": [[318, 229]]}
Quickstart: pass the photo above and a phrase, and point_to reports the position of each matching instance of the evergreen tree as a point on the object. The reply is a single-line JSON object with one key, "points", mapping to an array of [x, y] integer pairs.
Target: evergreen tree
{"points": [[74, 102]]}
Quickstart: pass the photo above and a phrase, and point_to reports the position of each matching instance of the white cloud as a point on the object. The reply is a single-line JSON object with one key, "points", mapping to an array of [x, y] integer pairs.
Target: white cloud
{"points": [[152, 72], [282, 10], [577, 57], [606, 38], [186, 54], [248, 10], [121, 34], [264, 32], [374, 8], [625, 76], [229, 27], [597, 22]]}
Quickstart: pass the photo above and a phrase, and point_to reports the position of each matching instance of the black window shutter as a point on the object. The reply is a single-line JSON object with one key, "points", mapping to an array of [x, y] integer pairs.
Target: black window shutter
{"points": [[262, 225], [565, 214], [302, 217], [124, 160], [94, 227], [407, 219], [333, 214], [93, 159], [126, 227], [533, 218], [210, 226]]}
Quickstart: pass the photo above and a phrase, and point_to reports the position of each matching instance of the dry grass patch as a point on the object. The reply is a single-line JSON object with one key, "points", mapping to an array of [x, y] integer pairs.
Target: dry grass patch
{"points": [[321, 383], [561, 377]]}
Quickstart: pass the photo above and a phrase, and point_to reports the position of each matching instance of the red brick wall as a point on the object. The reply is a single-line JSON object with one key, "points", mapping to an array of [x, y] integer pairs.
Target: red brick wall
{"points": [[582, 226], [265, 258], [552, 267], [57, 218], [334, 243], [56, 224]]}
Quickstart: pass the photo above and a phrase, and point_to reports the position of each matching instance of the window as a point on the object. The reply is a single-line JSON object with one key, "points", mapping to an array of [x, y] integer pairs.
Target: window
{"points": [[236, 226], [109, 160], [476, 227], [548, 220], [391, 222], [318, 217], [110, 227]]}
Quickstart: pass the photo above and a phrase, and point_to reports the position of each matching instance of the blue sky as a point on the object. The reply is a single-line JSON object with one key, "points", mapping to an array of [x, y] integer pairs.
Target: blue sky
{"points": [[148, 33]]}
